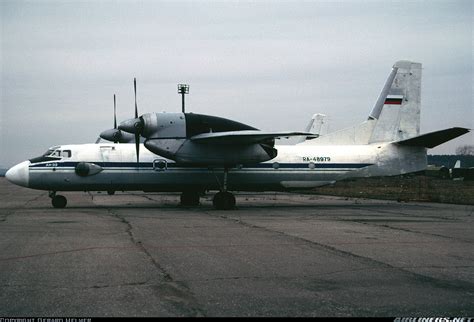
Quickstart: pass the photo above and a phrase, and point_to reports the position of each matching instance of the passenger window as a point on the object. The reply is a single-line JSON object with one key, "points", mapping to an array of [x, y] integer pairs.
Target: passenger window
{"points": [[66, 154]]}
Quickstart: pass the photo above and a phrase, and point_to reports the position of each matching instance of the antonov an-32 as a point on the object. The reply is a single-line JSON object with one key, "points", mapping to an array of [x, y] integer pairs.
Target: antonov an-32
{"points": [[192, 153]]}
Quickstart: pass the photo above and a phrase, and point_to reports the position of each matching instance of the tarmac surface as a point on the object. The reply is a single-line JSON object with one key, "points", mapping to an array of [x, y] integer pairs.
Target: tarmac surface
{"points": [[135, 254]]}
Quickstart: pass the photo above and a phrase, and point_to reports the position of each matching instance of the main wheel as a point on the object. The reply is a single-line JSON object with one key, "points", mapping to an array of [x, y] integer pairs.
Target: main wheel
{"points": [[59, 201], [224, 200], [110, 192], [190, 198]]}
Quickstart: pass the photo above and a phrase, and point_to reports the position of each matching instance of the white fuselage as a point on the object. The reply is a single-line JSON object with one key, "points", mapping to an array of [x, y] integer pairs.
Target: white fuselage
{"points": [[296, 167]]}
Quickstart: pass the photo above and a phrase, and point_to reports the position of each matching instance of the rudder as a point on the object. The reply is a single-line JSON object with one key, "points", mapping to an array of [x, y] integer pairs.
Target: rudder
{"points": [[397, 109]]}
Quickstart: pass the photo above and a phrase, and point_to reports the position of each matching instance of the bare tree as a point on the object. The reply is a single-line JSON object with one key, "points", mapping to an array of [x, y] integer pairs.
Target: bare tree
{"points": [[465, 150]]}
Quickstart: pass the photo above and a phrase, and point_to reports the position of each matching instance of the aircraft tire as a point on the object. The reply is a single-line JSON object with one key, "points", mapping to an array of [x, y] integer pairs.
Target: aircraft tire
{"points": [[224, 200], [59, 201], [110, 192], [189, 198]]}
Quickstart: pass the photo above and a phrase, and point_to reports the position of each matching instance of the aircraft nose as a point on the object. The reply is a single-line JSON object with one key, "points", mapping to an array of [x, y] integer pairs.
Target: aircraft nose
{"points": [[19, 174]]}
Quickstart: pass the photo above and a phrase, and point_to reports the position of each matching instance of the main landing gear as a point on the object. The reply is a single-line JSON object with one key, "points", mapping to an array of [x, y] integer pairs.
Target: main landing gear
{"points": [[57, 201], [224, 200]]}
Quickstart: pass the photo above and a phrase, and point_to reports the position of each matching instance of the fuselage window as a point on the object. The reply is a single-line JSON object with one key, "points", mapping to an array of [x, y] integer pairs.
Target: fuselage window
{"points": [[66, 154]]}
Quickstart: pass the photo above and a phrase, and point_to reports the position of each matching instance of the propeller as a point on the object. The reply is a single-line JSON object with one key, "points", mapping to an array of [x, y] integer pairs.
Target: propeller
{"points": [[117, 133], [135, 91], [115, 115], [114, 135], [137, 124]]}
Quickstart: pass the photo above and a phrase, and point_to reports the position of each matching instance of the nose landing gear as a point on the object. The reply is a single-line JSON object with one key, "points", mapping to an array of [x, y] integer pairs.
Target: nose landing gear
{"points": [[57, 201], [224, 200]]}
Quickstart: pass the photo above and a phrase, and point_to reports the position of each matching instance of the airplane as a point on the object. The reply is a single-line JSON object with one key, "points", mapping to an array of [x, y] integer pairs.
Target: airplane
{"points": [[193, 153], [314, 126]]}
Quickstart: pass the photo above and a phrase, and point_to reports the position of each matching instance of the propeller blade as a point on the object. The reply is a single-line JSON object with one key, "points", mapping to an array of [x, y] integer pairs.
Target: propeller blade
{"points": [[137, 147], [117, 132], [137, 133], [115, 114], [135, 88]]}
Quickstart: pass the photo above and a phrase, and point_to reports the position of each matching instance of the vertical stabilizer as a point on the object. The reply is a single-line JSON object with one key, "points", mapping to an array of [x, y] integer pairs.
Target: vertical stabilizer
{"points": [[397, 109], [395, 115], [314, 126], [457, 165]]}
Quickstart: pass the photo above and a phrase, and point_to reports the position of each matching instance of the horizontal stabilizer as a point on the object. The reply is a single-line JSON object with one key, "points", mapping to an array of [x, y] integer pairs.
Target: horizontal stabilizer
{"points": [[430, 140], [244, 137]]}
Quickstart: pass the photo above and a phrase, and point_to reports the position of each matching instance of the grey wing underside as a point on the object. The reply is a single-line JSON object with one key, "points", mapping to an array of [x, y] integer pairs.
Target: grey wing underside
{"points": [[244, 137]]}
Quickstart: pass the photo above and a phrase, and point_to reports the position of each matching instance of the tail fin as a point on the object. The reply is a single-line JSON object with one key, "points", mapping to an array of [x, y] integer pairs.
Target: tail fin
{"points": [[314, 126], [457, 165], [397, 109], [395, 115]]}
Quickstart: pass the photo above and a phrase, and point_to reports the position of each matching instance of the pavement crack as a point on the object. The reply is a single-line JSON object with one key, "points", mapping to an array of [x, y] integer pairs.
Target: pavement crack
{"points": [[97, 286], [23, 206], [411, 231], [57, 252], [443, 284], [305, 277], [177, 294]]}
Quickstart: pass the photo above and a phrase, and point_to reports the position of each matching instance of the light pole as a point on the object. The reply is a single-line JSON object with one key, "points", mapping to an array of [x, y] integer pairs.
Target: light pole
{"points": [[183, 89]]}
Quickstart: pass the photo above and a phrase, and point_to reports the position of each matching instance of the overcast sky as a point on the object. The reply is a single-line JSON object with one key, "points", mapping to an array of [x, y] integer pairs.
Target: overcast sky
{"points": [[269, 64]]}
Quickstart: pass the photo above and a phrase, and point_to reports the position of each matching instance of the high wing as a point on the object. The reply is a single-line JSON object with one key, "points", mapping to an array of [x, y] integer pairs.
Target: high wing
{"points": [[244, 137], [189, 138]]}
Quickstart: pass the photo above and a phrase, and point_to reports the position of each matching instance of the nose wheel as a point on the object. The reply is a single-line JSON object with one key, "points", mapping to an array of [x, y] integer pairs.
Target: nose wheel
{"points": [[224, 200], [57, 201]]}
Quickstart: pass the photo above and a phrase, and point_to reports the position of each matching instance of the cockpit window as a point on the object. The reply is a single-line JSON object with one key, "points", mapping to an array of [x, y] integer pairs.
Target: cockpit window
{"points": [[52, 155]]}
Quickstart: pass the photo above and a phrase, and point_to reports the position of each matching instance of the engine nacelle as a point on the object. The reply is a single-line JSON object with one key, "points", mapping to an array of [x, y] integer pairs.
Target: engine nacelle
{"points": [[180, 125], [115, 135], [189, 152], [169, 135], [164, 125], [166, 148]]}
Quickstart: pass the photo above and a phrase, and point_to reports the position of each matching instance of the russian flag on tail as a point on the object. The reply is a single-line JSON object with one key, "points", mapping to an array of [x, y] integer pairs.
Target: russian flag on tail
{"points": [[393, 100]]}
